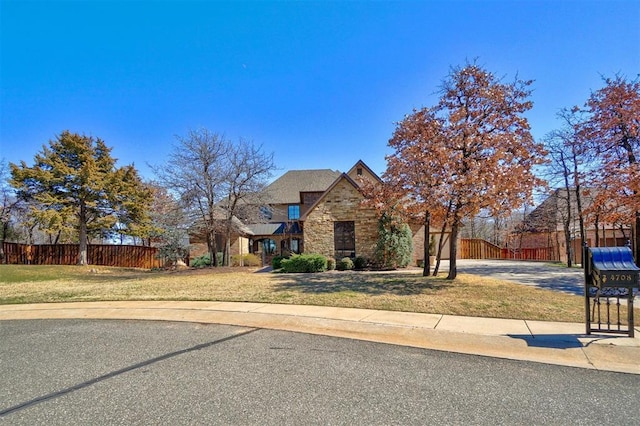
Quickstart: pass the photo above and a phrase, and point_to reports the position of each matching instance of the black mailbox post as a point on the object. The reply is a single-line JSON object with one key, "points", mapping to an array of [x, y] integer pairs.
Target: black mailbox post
{"points": [[609, 273]]}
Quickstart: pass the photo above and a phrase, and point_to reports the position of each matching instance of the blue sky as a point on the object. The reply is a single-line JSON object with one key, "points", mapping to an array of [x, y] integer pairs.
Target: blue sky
{"points": [[320, 84]]}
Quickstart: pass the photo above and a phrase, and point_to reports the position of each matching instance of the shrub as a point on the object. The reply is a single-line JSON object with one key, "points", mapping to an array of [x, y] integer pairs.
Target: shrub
{"points": [[331, 264], [344, 264], [276, 262], [205, 261], [304, 263], [201, 261], [360, 263], [395, 243], [248, 259]]}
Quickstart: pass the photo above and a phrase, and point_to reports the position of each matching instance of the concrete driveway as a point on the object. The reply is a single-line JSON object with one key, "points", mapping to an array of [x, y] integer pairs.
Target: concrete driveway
{"points": [[540, 274]]}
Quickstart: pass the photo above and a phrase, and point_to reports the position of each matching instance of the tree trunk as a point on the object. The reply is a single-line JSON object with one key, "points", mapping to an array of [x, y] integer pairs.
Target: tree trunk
{"points": [[227, 250], [213, 249], [637, 238], [82, 255], [440, 248], [5, 230], [441, 242], [427, 225], [453, 252], [567, 242]]}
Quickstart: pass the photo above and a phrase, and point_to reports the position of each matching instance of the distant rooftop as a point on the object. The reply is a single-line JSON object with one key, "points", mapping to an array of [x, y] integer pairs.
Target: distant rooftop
{"points": [[287, 188]]}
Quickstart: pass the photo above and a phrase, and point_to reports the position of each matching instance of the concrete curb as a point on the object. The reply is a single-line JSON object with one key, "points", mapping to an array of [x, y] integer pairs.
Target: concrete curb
{"points": [[537, 341]]}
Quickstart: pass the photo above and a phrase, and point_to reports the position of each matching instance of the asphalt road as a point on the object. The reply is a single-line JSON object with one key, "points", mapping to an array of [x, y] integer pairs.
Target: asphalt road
{"points": [[134, 372]]}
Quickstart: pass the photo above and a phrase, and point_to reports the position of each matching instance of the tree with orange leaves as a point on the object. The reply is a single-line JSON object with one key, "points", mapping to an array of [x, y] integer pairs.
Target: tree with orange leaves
{"points": [[613, 131], [471, 151], [416, 175]]}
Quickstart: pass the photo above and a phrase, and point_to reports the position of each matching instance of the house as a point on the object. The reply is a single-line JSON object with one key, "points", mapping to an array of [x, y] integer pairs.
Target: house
{"points": [[319, 211], [548, 225]]}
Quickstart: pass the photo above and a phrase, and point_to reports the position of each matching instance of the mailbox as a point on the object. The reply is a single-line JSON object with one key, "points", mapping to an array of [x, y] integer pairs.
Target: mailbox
{"points": [[612, 267], [609, 272]]}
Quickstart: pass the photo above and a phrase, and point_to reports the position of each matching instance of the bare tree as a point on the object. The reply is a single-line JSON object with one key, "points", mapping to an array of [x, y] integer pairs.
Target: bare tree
{"points": [[8, 207], [568, 169], [247, 170], [214, 180], [194, 173]]}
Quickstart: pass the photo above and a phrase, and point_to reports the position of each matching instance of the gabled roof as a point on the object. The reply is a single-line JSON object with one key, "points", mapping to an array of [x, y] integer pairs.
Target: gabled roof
{"points": [[287, 188], [362, 164], [333, 185]]}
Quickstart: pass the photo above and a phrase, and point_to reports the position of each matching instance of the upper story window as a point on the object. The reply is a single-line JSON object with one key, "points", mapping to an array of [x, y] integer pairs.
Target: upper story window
{"points": [[359, 171], [294, 212]]}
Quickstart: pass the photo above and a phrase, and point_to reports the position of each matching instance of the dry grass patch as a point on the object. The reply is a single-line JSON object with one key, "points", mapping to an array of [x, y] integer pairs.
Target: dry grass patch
{"points": [[469, 295]]}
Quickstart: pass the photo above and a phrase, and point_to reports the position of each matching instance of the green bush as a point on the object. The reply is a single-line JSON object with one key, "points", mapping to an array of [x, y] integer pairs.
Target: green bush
{"points": [[344, 264], [395, 243], [276, 262], [360, 263], [205, 261], [248, 259], [331, 264], [201, 261], [304, 263]]}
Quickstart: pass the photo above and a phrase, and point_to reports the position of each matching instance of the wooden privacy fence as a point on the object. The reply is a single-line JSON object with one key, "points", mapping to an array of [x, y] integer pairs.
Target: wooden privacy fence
{"points": [[476, 248], [97, 254], [538, 253]]}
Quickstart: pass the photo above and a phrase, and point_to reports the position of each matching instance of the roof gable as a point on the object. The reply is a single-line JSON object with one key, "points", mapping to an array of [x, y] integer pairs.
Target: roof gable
{"points": [[342, 177], [365, 172]]}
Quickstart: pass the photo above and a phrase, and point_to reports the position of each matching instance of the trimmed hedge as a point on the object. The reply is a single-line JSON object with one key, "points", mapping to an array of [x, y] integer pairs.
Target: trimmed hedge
{"points": [[304, 263], [360, 263], [344, 264], [276, 262], [331, 264]]}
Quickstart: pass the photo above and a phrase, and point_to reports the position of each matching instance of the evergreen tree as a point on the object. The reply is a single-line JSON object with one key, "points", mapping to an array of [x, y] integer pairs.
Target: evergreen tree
{"points": [[74, 182], [395, 243]]}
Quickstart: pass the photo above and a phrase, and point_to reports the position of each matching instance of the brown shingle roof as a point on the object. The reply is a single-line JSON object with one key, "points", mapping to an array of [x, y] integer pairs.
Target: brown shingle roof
{"points": [[287, 188]]}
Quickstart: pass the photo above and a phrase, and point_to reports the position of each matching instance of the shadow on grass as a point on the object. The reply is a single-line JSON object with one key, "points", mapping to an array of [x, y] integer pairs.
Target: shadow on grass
{"points": [[372, 283]]}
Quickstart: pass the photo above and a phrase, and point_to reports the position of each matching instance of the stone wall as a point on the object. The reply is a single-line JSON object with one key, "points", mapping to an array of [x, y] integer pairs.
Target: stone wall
{"points": [[342, 203], [418, 242]]}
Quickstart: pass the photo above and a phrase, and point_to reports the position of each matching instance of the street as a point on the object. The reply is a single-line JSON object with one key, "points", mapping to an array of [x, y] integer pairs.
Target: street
{"points": [[146, 372]]}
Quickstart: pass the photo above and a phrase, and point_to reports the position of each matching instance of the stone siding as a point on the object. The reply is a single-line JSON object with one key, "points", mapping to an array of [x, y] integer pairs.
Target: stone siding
{"points": [[342, 203]]}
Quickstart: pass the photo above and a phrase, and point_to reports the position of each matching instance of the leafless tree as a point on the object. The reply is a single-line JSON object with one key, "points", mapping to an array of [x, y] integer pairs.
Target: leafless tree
{"points": [[248, 169], [9, 204], [568, 170], [214, 179]]}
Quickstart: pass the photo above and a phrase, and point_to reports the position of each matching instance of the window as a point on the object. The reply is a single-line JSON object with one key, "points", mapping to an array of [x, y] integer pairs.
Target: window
{"points": [[295, 245], [359, 171], [269, 246], [344, 238], [294, 212]]}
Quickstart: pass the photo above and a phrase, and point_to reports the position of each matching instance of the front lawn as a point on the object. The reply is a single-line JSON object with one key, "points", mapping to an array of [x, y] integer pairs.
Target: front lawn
{"points": [[397, 291]]}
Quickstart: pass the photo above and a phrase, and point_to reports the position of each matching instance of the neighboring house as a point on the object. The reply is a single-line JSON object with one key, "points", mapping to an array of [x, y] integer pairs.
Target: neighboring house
{"points": [[545, 226]]}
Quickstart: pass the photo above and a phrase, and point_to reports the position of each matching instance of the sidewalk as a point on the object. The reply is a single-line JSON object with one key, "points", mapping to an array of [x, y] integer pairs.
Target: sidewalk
{"points": [[537, 341]]}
